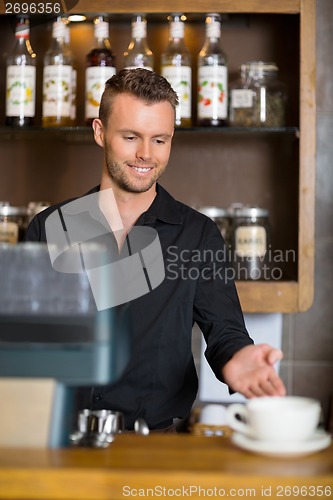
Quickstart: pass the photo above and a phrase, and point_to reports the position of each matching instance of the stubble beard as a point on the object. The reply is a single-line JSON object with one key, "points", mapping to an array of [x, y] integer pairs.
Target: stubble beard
{"points": [[117, 174]]}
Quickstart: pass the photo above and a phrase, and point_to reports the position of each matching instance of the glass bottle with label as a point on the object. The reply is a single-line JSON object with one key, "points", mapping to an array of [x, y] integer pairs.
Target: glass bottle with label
{"points": [[21, 78], [176, 68], [138, 54], [57, 80], [100, 66], [212, 77]]}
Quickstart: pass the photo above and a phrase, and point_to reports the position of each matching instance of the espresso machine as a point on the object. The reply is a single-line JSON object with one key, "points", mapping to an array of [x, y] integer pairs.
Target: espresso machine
{"points": [[50, 327]]}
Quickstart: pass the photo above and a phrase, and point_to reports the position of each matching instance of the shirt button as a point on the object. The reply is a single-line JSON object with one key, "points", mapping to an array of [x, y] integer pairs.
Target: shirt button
{"points": [[98, 397]]}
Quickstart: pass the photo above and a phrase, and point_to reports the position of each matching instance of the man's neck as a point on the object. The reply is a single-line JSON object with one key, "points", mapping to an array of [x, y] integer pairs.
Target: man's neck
{"points": [[130, 206]]}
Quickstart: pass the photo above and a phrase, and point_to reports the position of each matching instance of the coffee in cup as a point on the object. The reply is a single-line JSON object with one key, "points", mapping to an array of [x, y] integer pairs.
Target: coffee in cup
{"points": [[276, 419]]}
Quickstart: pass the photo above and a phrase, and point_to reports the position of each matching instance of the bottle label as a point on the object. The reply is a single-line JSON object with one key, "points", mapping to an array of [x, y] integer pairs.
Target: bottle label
{"points": [[21, 89], [241, 98], [57, 91], [96, 77], [250, 241], [9, 232], [213, 92], [180, 79]]}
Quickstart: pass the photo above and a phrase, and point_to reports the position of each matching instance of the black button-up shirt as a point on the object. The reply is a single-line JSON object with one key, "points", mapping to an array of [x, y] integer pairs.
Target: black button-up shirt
{"points": [[160, 382]]}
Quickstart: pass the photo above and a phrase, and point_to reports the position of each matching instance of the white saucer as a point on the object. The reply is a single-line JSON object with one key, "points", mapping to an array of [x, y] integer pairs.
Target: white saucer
{"points": [[317, 442]]}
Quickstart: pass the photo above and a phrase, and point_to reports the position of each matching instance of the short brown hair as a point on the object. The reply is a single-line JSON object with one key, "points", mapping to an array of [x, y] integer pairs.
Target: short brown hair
{"points": [[140, 82]]}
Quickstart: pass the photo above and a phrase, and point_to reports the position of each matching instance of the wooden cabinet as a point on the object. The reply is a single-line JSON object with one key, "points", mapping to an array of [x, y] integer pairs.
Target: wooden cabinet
{"points": [[273, 168]]}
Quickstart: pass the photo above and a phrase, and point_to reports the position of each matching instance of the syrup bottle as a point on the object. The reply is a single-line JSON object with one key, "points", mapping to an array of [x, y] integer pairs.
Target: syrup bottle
{"points": [[212, 77], [21, 78], [100, 66]]}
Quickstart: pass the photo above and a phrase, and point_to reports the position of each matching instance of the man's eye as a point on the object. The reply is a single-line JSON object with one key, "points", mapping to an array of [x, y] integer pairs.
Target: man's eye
{"points": [[159, 141], [130, 137]]}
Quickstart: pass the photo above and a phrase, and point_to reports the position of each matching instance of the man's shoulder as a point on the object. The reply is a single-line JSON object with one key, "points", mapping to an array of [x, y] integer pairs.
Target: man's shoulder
{"points": [[191, 214], [186, 212], [36, 228], [43, 215]]}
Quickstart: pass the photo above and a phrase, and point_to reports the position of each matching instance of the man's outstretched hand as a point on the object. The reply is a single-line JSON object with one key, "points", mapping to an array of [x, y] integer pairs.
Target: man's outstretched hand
{"points": [[251, 371]]}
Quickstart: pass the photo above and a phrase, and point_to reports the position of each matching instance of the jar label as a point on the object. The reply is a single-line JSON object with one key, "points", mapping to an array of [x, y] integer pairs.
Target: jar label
{"points": [[21, 90], [9, 232], [96, 77], [57, 91], [213, 92], [250, 241], [241, 98], [180, 79]]}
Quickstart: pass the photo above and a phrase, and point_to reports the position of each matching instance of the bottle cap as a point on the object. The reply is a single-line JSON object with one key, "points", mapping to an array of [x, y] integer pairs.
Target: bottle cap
{"points": [[259, 68], [139, 28], [213, 25], [101, 29], [22, 29], [177, 28], [59, 29], [248, 211]]}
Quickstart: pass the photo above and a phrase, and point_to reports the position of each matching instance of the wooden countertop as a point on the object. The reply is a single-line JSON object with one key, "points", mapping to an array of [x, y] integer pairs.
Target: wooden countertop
{"points": [[182, 466]]}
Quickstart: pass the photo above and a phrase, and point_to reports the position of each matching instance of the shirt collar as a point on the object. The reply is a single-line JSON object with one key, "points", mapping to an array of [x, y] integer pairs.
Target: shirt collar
{"points": [[86, 203], [164, 208]]}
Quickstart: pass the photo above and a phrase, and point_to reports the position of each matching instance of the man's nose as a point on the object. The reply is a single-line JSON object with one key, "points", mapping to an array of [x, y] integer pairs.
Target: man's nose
{"points": [[144, 152]]}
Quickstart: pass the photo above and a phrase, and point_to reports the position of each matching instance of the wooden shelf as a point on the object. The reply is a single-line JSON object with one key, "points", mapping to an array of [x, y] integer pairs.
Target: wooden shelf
{"points": [[84, 134], [268, 296]]}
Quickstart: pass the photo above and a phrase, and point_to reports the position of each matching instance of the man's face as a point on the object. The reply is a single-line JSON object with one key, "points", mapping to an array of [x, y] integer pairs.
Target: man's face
{"points": [[137, 142]]}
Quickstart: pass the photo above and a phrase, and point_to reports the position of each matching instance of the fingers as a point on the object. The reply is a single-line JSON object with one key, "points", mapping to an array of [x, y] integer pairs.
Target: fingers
{"points": [[279, 387], [265, 383], [274, 355], [271, 354], [251, 372]]}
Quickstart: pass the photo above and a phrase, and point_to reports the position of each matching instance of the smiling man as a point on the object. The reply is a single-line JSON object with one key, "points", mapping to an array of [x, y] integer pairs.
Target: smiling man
{"points": [[135, 128]]}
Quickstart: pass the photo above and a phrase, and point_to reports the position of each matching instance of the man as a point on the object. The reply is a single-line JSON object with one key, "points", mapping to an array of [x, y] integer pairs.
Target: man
{"points": [[135, 128]]}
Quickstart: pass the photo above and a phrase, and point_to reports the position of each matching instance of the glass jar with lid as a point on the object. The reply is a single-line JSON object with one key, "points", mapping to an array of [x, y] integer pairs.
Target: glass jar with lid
{"points": [[13, 223], [259, 98], [250, 241], [221, 217]]}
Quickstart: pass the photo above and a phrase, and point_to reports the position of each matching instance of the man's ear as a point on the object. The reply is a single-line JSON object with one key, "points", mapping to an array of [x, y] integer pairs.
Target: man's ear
{"points": [[98, 132]]}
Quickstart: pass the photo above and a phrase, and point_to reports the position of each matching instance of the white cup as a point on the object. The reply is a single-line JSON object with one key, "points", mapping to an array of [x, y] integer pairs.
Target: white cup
{"points": [[213, 414], [282, 419]]}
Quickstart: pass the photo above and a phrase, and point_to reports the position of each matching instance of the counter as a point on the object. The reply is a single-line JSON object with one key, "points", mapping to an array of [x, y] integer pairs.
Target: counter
{"points": [[183, 466]]}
